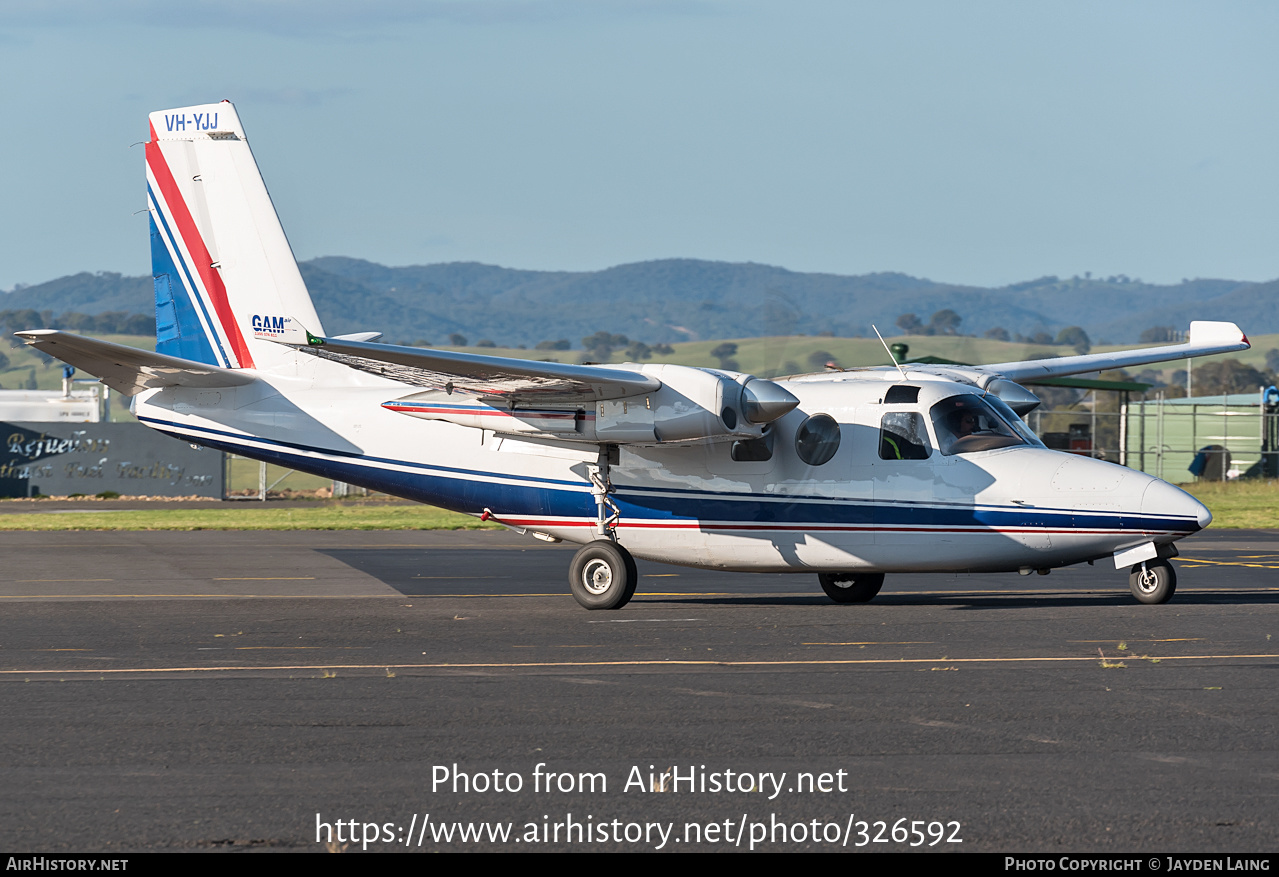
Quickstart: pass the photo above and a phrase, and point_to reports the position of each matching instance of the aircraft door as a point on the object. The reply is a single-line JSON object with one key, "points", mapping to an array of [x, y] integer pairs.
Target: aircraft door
{"points": [[903, 478]]}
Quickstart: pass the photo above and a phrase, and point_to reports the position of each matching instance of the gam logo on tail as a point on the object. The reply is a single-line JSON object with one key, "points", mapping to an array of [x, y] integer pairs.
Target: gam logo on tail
{"points": [[271, 328]]}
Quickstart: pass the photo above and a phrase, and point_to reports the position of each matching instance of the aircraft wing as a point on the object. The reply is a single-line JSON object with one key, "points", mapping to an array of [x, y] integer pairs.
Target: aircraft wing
{"points": [[489, 377], [1206, 338], [129, 370]]}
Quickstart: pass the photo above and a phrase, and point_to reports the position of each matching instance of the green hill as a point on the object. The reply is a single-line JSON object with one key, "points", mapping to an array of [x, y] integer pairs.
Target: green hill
{"points": [[681, 300]]}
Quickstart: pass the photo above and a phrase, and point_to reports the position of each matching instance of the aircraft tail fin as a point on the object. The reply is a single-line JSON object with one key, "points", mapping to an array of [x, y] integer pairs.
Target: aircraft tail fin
{"points": [[225, 276]]}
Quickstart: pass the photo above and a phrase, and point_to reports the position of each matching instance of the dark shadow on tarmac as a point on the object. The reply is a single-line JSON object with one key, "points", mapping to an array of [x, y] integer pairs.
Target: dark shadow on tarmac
{"points": [[961, 601]]}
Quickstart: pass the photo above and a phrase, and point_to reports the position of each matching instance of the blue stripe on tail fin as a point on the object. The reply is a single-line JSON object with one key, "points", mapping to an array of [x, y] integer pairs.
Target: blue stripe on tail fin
{"points": [[178, 331]]}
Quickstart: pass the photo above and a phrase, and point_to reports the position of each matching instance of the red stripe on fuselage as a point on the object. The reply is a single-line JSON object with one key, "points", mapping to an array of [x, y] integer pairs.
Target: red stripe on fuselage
{"points": [[199, 252], [523, 413]]}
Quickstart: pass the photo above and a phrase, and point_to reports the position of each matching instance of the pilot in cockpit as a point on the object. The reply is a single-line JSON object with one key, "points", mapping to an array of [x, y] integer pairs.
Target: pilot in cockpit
{"points": [[966, 423]]}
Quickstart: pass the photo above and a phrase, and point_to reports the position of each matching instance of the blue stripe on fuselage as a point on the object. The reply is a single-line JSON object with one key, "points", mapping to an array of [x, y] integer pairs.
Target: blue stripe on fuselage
{"points": [[468, 490]]}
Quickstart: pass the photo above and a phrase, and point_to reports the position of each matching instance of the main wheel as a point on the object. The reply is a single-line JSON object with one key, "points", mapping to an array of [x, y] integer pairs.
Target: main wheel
{"points": [[1154, 581], [603, 575], [845, 587]]}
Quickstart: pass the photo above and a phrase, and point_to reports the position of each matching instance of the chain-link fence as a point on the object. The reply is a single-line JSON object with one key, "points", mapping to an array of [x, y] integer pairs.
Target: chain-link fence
{"points": [[1213, 438], [253, 480]]}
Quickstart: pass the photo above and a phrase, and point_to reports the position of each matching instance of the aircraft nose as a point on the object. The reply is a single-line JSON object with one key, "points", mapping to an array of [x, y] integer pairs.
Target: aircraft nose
{"points": [[1161, 499]]}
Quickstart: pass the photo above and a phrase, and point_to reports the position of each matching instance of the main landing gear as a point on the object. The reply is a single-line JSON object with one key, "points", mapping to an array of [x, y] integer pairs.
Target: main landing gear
{"points": [[603, 573], [844, 587], [1153, 581]]}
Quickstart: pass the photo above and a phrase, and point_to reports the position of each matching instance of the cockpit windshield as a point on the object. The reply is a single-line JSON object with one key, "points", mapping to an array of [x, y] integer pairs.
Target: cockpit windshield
{"points": [[968, 423]]}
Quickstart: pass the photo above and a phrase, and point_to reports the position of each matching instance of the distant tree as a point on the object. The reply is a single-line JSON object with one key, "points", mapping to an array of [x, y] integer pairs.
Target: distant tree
{"points": [[1227, 376], [1040, 337], [1272, 359], [1159, 335], [76, 322], [485, 342], [599, 347], [944, 322], [910, 324], [1076, 337], [999, 333], [140, 324], [31, 380], [639, 350], [561, 344], [112, 322], [457, 339], [820, 359], [4, 362], [26, 319], [1152, 377], [725, 353]]}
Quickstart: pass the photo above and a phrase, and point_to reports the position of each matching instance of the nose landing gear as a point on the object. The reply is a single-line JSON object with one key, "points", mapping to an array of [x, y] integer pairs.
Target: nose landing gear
{"points": [[1153, 581], [845, 587]]}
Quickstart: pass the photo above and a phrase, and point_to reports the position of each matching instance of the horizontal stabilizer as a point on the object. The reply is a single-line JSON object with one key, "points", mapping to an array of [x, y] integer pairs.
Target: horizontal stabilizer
{"points": [[129, 370], [489, 377], [1206, 338]]}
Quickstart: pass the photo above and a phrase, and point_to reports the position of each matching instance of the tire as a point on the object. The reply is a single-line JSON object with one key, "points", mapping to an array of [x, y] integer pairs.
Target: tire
{"points": [[632, 572], [1154, 581], [847, 588], [603, 576]]}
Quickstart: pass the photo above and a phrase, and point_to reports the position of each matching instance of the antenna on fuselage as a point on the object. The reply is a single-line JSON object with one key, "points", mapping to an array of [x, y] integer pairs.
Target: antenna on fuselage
{"points": [[889, 352]]}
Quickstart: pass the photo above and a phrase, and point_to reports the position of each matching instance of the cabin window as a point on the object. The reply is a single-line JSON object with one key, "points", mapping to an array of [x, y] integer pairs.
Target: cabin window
{"points": [[903, 436], [966, 424], [901, 394], [817, 439], [758, 450]]}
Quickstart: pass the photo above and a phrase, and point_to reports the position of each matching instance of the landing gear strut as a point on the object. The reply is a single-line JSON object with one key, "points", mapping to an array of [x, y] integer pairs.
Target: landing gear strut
{"points": [[1153, 581], [603, 573], [843, 587], [606, 511]]}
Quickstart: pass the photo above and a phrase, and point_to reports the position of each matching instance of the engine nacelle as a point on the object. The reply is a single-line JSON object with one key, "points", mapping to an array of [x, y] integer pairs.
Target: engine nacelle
{"points": [[691, 404]]}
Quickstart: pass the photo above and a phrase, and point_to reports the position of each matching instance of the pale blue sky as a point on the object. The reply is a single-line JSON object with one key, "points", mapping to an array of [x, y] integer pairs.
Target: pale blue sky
{"points": [[979, 143]]}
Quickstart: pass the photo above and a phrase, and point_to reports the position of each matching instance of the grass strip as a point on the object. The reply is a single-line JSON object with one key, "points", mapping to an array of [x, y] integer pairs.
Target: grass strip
{"points": [[1244, 505], [246, 517]]}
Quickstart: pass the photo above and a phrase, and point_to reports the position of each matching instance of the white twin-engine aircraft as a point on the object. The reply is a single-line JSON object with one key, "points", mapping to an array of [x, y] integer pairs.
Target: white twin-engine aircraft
{"points": [[849, 474]]}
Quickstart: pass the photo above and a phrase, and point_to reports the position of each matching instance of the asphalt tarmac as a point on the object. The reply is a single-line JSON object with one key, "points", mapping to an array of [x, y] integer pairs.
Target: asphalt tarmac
{"points": [[270, 690]]}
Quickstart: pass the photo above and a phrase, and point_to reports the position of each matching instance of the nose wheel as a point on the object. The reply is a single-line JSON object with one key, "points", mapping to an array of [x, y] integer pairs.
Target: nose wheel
{"points": [[603, 575], [845, 587], [1154, 581]]}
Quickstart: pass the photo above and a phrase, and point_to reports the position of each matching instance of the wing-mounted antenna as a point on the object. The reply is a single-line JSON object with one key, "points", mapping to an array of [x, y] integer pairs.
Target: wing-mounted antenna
{"points": [[889, 351]]}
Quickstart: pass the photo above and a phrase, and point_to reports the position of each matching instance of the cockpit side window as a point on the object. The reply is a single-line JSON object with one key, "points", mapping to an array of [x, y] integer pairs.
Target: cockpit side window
{"points": [[966, 424], [902, 436]]}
